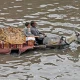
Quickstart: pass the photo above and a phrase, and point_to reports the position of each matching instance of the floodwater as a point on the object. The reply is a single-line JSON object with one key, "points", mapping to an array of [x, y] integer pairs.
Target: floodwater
{"points": [[54, 17]]}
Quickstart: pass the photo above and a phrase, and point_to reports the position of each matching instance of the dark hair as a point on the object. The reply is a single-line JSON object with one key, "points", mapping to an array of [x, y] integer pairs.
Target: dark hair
{"points": [[27, 23], [32, 22]]}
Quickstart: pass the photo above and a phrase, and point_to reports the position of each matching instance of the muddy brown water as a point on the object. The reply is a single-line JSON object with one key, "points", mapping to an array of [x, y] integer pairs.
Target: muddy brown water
{"points": [[54, 17]]}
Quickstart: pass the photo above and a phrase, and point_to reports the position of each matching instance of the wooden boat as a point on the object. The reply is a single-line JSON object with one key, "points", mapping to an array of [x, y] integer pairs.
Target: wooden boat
{"points": [[11, 42], [20, 48], [9, 48]]}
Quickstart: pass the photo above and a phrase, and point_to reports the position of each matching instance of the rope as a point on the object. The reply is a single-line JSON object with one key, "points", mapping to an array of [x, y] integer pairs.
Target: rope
{"points": [[61, 39]]}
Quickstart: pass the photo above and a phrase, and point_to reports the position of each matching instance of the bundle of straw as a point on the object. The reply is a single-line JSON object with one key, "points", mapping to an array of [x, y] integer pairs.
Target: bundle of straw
{"points": [[12, 35]]}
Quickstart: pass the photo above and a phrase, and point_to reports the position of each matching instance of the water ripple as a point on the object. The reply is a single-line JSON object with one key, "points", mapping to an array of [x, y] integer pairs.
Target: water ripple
{"points": [[55, 17]]}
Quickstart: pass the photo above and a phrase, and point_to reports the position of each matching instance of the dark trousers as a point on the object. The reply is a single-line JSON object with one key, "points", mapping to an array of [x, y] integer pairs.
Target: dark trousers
{"points": [[39, 40]]}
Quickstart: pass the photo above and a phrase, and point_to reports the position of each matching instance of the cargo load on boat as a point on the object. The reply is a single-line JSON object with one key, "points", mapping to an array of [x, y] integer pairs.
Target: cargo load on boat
{"points": [[12, 36]]}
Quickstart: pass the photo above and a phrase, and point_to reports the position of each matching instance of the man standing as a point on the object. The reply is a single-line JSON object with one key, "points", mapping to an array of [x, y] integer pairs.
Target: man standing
{"points": [[36, 32]]}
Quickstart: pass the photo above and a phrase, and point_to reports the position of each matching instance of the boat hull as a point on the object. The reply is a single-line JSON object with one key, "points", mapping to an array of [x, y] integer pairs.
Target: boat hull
{"points": [[22, 48], [15, 50], [5, 51]]}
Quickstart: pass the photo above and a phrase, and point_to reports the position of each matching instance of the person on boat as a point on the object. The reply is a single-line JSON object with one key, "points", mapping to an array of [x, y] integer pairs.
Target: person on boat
{"points": [[36, 32], [27, 32]]}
